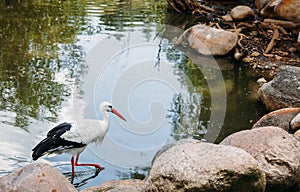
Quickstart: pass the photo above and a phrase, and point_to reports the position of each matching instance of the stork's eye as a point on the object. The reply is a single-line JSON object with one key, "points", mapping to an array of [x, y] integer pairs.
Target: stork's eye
{"points": [[110, 106]]}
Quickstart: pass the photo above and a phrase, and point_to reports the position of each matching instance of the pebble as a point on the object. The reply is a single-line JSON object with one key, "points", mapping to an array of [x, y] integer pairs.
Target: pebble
{"points": [[241, 12], [295, 123], [261, 80], [255, 54], [227, 18], [248, 59]]}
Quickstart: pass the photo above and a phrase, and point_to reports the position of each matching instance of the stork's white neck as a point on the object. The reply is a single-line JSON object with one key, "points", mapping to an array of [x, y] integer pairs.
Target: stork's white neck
{"points": [[105, 118]]}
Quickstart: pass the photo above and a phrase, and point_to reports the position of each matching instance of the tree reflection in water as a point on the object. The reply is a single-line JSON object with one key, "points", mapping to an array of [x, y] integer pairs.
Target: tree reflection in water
{"points": [[33, 50]]}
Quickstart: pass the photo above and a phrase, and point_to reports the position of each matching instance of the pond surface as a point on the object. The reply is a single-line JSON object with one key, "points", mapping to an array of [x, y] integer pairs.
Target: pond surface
{"points": [[61, 59]]}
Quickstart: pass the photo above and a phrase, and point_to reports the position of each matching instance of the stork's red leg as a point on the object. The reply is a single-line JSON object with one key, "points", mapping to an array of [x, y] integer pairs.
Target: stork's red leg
{"points": [[72, 163], [81, 164]]}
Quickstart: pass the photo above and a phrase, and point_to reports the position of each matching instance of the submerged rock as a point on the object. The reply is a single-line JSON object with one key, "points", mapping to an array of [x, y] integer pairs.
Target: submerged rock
{"points": [[283, 91], [277, 152], [130, 185], [35, 177], [196, 166], [209, 41], [279, 118]]}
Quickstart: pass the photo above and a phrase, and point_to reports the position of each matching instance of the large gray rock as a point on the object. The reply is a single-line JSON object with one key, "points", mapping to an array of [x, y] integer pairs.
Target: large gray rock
{"points": [[277, 152], [283, 91], [35, 177], [130, 185], [279, 118], [209, 41], [196, 166]]}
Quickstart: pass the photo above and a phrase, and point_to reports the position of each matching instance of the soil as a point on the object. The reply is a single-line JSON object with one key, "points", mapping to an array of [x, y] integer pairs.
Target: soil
{"points": [[255, 34]]}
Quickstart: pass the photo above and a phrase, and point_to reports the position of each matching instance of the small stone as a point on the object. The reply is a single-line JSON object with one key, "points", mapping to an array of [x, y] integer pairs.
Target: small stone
{"points": [[293, 49], [248, 59], [241, 12], [261, 80], [255, 54], [297, 135], [254, 33], [227, 18], [295, 123], [277, 57], [298, 40]]}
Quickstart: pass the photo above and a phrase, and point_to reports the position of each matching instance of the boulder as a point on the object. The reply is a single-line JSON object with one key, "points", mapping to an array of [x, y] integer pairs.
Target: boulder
{"points": [[35, 177], [209, 41], [168, 146], [241, 12], [193, 165], [130, 185], [289, 10], [277, 152], [283, 91], [279, 118], [295, 123], [283, 9]]}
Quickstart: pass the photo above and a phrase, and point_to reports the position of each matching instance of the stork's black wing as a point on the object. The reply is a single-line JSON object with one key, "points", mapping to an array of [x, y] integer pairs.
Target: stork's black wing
{"points": [[59, 130], [54, 143]]}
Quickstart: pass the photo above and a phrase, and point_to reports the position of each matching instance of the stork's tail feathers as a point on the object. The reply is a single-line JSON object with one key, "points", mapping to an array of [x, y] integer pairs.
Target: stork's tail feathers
{"points": [[41, 148]]}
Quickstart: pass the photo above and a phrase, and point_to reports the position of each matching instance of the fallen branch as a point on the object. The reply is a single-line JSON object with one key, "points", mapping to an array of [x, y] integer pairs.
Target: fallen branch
{"points": [[272, 42], [285, 24], [192, 6]]}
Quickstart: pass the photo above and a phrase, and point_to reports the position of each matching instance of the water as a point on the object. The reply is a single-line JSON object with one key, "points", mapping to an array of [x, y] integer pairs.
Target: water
{"points": [[61, 59]]}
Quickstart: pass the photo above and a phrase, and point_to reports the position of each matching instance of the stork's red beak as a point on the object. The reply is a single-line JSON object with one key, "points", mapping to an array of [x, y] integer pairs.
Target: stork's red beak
{"points": [[114, 111]]}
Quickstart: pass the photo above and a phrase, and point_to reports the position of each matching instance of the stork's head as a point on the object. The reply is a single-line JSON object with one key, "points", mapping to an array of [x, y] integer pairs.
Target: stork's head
{"points": [[107, 106]]}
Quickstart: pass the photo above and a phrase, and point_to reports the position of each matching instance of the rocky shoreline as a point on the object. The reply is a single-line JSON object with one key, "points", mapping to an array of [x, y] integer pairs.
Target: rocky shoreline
{"points": [[264, 158]]}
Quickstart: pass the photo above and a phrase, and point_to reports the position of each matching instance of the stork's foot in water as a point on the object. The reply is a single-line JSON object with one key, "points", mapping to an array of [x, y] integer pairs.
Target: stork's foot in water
{"points": [[83, 177], [98, 170]]}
